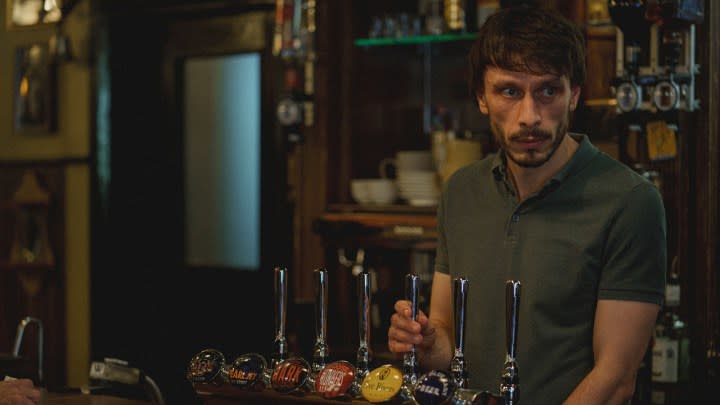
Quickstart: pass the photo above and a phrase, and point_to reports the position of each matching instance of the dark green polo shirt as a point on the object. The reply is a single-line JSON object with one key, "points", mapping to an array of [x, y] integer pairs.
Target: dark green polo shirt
{"points": [[595, 231]]}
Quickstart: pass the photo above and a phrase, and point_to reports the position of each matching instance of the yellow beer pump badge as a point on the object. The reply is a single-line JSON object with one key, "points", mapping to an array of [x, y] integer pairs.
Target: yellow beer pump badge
{"points": [[382, 384]]}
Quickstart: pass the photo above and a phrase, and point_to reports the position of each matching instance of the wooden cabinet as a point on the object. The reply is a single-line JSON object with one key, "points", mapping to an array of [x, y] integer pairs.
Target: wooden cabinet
{"points": [[32, 275]]}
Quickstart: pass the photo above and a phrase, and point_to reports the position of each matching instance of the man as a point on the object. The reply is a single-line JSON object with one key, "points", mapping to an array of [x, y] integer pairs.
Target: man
{"points": [[583, 233], [19, 392]]}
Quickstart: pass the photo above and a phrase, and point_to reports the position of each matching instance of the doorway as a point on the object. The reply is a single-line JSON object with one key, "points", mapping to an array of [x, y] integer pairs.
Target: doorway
{"points": [[189, 211]]}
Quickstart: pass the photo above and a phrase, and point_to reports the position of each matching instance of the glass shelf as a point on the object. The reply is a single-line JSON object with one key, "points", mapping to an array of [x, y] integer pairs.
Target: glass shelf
{"points": [[414, 40]]}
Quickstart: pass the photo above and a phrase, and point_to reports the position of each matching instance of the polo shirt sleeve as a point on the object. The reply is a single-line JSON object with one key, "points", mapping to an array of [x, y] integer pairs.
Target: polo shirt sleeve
{"points": [[635, 256]]}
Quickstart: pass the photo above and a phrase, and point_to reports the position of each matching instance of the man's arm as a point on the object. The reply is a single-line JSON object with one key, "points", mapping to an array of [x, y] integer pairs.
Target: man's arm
{"points": [[440, 323], [432, 336], [621, 335]]}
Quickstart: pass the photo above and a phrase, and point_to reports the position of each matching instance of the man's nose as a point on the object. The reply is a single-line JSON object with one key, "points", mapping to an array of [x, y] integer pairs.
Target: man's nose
{"points": [[529, 114]]}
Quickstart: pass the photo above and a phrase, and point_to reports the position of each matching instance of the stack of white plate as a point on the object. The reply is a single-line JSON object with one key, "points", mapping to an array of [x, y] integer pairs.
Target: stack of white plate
{"points": [[418, 187]]}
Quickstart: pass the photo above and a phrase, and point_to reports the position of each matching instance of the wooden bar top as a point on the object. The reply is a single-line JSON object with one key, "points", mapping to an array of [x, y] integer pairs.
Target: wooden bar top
{"points": [[85, 399], [229, 395]]}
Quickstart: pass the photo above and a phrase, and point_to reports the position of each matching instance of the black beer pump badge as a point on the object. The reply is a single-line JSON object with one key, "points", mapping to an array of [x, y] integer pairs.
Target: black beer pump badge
{"points": [[206, 367], [247, 371]]}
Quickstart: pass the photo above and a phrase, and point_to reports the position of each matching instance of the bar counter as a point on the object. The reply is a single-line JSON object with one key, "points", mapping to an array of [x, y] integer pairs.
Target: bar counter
{"points": [[229, 395], [84, 399]]}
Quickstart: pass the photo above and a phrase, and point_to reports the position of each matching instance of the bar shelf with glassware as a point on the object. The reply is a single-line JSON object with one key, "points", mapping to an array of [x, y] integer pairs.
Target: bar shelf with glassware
{"points": [[416, 39]]}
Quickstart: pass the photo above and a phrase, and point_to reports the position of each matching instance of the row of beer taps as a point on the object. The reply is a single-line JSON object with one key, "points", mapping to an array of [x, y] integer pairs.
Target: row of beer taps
{"points": [[286, 373]]}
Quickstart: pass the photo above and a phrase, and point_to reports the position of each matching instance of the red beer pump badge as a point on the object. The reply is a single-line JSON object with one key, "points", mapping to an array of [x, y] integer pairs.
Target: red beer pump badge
{"points": [[335, 379], [290, 375]]}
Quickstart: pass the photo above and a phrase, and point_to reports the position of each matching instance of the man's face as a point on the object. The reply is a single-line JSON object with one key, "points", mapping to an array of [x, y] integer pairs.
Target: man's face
{"points": [[529, 114]]}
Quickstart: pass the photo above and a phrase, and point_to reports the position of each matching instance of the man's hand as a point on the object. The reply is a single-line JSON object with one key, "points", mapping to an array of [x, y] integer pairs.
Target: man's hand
{"points": [[19, 392], [404, 332]]}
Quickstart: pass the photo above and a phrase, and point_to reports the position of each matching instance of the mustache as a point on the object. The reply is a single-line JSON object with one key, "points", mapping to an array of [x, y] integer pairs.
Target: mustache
{"points": [[536, 133]]}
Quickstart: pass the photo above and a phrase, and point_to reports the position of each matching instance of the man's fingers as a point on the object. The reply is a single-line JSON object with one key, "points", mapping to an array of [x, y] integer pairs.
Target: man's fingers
{"points": [[405, 323], [399, 347], [403, 307]]}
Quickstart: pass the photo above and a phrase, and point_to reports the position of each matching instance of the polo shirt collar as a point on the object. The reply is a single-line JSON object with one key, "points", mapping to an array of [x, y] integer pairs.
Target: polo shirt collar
{"points": [[580, 158]]}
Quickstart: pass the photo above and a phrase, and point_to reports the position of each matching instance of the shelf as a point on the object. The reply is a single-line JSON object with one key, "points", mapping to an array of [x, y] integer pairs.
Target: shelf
{"points": [[382, 216], [415, 40], [403, 209], [39, 267], [394, 227]]}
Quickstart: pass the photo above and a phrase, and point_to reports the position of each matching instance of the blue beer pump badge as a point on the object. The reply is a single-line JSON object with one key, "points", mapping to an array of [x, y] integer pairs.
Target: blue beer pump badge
{"points": [[433, 388]]}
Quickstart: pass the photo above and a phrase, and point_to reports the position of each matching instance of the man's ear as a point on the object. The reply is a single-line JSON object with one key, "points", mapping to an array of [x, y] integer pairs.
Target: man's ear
{"points": [[480, 97], [574, 97]]}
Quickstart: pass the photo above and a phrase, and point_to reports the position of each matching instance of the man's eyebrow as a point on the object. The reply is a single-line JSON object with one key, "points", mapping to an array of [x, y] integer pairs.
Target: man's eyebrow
{"points": [[503, 83], [555, 81]]}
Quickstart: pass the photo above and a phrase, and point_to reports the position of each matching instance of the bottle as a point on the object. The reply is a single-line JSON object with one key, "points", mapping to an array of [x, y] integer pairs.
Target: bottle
{"points": [[290, 107], [671, 351], [454, 11]]}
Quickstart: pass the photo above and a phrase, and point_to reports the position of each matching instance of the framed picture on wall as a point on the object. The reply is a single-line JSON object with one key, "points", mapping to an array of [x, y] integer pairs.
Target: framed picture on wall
{"points": [[34, 109], [29, 13]]}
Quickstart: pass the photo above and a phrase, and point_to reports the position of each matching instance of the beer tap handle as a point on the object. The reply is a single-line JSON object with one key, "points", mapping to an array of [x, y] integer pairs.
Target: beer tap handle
{"points": [[320, 351], [509, 388], [362, 360], [458, 366], [280, 344], [363, 353], [410, 359]]}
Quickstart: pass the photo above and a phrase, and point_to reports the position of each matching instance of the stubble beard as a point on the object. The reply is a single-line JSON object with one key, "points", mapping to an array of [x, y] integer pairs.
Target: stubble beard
{"points": [[531, 158]]}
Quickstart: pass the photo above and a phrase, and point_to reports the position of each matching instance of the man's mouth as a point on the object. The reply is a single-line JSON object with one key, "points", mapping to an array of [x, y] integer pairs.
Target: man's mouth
{"points": [[530, 142]]}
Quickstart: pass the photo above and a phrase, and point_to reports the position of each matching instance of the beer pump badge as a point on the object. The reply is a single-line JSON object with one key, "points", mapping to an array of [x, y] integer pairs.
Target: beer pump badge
{"points": [[382, 384], [334, 379], [433, 388], [290, 375], [247, 370], [206, 367]]}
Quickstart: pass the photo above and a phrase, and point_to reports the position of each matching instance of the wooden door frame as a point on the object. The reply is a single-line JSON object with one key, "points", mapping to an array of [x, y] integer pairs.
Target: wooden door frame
{"points": [[704, 288]]}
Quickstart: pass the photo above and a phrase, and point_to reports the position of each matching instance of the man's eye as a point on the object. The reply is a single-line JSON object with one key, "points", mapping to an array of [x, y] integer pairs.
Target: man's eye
{"points": [[510, 92], [549, 91]]}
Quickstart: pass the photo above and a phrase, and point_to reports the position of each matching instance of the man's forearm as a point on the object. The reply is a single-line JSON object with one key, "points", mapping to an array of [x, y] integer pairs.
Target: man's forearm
{"points": [[602, 388]]}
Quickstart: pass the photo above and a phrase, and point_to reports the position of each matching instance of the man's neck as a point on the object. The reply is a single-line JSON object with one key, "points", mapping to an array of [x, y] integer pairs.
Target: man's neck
{"points": [[529, 180]]}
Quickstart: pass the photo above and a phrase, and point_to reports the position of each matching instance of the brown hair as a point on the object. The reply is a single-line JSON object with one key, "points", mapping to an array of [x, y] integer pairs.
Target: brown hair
{"points": [[528, 39]]}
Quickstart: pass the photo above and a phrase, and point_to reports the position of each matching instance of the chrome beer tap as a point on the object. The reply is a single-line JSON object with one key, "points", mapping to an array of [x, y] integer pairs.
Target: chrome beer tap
{"points": [[509, 388], [40, 345], [458, 367], [362, 362], [410, 366], [320, 351], [439, 386], [280, 349]]}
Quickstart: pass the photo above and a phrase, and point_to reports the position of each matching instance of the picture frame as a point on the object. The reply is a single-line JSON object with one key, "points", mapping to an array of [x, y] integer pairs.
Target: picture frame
{"points": [[34, 104], [23, 14]]}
